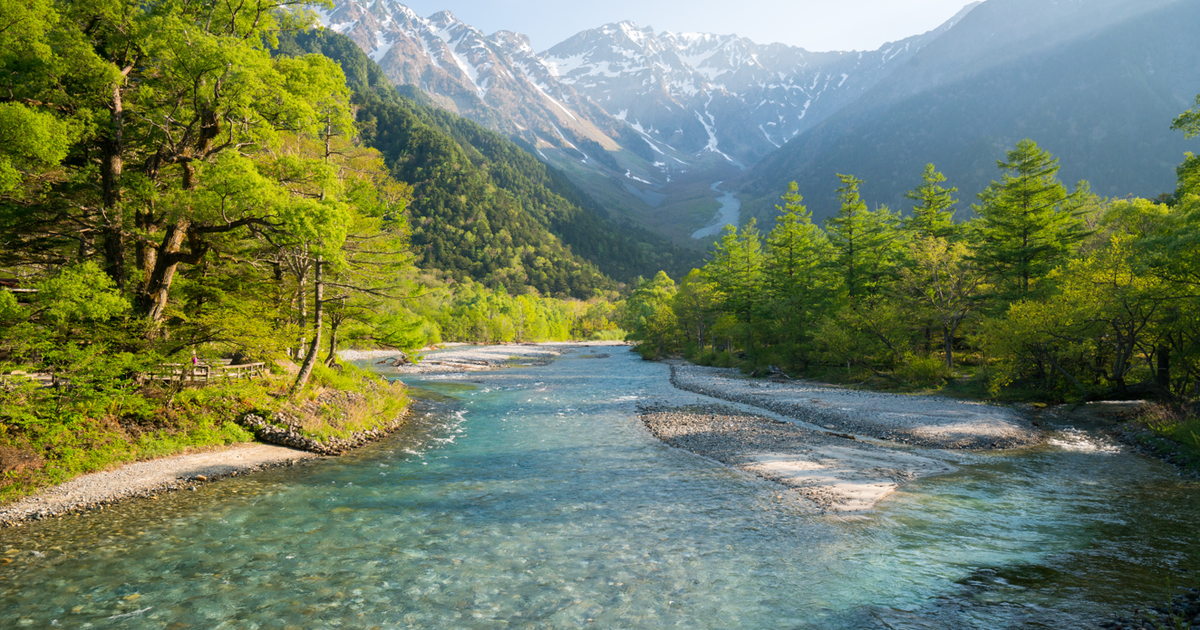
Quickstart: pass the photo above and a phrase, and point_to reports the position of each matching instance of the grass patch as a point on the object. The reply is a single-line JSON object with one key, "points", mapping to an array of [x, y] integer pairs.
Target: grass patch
{"points": [[1174, 433], [45, 441]]}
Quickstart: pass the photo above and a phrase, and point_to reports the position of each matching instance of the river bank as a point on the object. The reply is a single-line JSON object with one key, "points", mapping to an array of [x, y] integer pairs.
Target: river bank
{"points": [[148, 479], [286, 436], [455, 358], [179, 433]]}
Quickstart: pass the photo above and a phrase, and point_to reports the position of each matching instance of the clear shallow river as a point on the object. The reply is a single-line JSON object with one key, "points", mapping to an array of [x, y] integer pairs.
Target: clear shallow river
{"points": [[535, 498]]}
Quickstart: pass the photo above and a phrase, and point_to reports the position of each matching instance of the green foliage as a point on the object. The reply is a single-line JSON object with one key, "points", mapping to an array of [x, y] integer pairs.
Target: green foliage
{"points": [[933, 215], [868, 244], [923, 371], [1189, 122], [1029, 223], [79, 293], [30, 142], [800, 285], [648, 316]]}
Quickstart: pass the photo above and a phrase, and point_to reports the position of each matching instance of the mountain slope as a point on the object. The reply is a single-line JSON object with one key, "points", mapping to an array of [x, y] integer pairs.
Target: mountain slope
{"points": [[494, 80], [644, 123], [719, 93], [1096, 82], [483, 207]]}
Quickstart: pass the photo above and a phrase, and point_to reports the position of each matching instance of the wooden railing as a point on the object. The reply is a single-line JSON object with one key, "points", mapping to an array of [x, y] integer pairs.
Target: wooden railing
{"points": [[203, 373]]}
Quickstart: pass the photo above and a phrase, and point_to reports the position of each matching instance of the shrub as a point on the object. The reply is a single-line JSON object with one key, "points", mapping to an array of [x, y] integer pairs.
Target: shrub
{"points": [[928, 370]]}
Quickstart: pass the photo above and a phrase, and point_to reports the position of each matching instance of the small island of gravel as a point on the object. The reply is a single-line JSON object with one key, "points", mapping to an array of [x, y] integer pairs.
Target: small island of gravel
{"points": [[839, 450]]}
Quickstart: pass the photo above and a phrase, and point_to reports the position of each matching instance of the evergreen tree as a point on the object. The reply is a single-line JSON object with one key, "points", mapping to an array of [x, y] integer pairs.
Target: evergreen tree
{"points": [[1028, 221], [933, 214], [867, 244], [736, 271], [799, 282]]}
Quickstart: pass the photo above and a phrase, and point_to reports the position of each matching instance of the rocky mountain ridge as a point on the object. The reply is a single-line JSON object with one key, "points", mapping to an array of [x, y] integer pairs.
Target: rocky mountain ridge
{"points": [[658, 96]]}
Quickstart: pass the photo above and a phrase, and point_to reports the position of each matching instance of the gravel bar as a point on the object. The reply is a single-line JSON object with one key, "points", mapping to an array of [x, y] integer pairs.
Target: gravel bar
{"points": [[928, 421], [831, 473]]}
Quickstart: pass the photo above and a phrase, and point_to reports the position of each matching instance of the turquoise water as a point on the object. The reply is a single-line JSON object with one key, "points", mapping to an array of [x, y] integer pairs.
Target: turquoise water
{"points": [[535, 498]]}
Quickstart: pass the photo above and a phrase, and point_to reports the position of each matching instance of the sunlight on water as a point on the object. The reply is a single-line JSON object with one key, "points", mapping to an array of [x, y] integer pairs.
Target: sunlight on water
{"points": [[535, 498]]}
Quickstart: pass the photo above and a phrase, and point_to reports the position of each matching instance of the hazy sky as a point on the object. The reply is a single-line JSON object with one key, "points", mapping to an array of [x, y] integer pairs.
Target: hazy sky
{"points": [[817, 25]]}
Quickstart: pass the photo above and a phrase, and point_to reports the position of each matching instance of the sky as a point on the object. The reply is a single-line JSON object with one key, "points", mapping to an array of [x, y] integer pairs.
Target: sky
{"points": [[817, 25]]}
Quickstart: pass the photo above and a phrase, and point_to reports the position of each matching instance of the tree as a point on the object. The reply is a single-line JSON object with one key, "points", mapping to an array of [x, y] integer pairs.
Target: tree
{"points": [[1029, 223], [736, 274], [933, 214], [799, 282], [695, 309], [867, 244], [648, 316], [1189, 122], [943, 279]]}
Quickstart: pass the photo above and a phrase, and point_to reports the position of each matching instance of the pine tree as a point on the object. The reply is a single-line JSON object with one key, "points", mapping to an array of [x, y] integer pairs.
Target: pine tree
{"points": [[799, 283], [736, 271]]}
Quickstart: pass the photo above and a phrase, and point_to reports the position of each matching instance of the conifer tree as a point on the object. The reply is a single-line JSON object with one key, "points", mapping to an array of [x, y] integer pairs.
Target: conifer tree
{"points": [[799, 283], [933, 214], [867, 244], [1029, 223], [736, 271]]}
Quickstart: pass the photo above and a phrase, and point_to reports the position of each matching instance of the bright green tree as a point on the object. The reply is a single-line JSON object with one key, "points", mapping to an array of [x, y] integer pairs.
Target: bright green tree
{"points": [[943, 281], [799, 283], [1028, 221], [868, 244], [648, 315], [736, 271], [933, 214]]}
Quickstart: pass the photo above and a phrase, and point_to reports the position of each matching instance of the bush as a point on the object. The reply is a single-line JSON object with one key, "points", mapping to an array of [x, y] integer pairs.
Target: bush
{"points": [[928, 371], [615, 334]]}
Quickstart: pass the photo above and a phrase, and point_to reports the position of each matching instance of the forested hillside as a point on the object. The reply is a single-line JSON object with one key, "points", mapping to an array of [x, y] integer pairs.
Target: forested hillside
{"points": [[483, 207]]}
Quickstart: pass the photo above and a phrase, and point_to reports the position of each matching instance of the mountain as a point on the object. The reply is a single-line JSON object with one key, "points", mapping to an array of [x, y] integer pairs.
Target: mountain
{"points": [[642, 123], [495, 80], [1095, 82], [719, 93], [482, 206]]}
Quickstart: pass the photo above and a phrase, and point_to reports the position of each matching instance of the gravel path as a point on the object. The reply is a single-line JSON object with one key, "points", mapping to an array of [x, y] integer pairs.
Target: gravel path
{"points": [[148, 478], [928, 421]]}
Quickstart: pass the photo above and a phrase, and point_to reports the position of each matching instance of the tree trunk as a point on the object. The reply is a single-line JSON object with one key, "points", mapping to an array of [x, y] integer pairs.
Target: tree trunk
{"points": [[948, 340], [335, 322], [1162, 375], [111, 166], [154, 294], [311, 358]]}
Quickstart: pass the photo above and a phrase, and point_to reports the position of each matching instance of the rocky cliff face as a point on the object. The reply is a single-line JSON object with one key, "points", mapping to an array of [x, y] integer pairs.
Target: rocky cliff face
{"points": [[495, 79]]}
